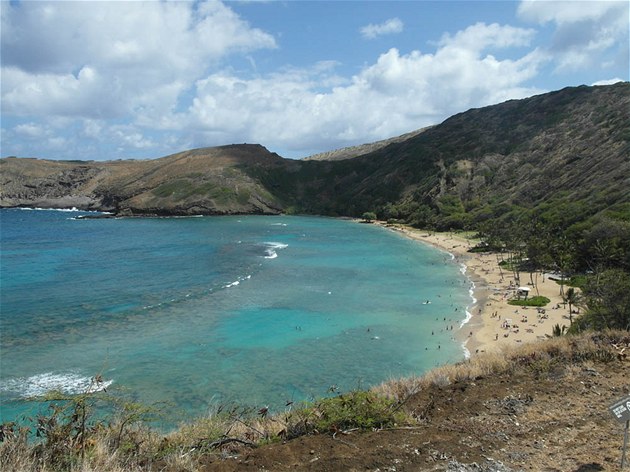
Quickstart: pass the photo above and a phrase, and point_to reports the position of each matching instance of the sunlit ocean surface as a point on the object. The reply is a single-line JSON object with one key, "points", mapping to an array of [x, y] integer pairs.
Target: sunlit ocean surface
{"points": [[196, 312]]}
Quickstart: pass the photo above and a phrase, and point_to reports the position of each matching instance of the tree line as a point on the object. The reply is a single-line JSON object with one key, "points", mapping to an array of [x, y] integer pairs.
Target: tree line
{"points": [[586, 245]]}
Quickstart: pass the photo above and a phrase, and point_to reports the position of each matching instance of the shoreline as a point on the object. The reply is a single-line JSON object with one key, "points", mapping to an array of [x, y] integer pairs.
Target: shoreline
{"points": [[491, 322]]}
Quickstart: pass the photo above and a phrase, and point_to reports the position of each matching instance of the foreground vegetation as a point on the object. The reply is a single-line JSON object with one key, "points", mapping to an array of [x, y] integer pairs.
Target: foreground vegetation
{"points": [[71, 437]]}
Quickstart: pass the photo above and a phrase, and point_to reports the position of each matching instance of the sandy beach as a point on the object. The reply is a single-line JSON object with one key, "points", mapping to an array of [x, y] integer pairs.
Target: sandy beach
{"points": [[494, 323]]}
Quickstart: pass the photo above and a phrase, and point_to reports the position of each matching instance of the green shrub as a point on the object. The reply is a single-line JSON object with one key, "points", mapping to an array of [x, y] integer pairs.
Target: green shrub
{"points": [[578, 281], [358, 409], [368, 216], [534, 301]]}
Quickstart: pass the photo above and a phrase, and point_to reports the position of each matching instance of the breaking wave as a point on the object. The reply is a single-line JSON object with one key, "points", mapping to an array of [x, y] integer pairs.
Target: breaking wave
{"points": [[36, 385], [237, 282], [271, 249]]}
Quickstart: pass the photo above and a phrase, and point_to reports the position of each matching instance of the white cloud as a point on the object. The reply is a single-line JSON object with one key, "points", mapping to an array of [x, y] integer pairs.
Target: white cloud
{"points": [[153, 76], [607, 81], [92, 129], [391, 26], [291, 110], [109, 59], [563, 12], [398, 93], [31, 131], [587, 34], [480, 36], [36, 134], [129, 137], [57, 143], [88, 94]]}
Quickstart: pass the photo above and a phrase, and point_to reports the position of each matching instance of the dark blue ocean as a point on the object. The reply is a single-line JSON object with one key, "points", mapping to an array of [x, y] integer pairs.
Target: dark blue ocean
{"points": [[199, 311]]}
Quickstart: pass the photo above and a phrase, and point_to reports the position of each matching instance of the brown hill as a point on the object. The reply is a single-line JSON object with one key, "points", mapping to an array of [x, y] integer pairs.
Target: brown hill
{"points": [[200, 181], [568, 148]]}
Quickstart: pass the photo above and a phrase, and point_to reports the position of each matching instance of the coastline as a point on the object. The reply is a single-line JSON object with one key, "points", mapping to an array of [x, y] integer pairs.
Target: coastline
{"points": [[492, 323]]}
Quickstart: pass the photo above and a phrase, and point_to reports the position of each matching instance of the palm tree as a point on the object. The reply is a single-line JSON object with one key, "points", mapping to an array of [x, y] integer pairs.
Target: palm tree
{"points": [[572, 297], [558, 331]]}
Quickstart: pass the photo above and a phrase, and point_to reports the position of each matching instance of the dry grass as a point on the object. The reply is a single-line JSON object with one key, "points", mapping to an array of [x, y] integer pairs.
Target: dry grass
{"points": [[139, 448], [469, 370], [563, 350]]}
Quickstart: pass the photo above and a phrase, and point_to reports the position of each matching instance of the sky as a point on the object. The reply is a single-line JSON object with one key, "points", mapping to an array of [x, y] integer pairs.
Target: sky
{"points": [[105, 80]]}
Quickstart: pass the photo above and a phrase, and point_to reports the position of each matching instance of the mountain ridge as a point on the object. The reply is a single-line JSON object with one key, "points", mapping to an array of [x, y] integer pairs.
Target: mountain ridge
{"points": [[190, 182], [567, 145], [362, 149]]}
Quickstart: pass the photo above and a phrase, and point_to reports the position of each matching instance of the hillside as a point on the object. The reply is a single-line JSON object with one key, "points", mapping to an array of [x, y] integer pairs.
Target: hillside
{"points": [[362, 149], [541, 406], [562, 147], [201, 181], [535, 413], [565, 148]]}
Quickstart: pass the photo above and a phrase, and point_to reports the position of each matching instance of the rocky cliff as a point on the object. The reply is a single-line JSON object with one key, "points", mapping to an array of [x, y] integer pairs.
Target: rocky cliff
{"points": [[201, 181]]}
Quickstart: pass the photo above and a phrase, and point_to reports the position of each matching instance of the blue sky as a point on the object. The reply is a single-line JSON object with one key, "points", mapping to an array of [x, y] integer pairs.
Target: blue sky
{"points": [[116, 80]]}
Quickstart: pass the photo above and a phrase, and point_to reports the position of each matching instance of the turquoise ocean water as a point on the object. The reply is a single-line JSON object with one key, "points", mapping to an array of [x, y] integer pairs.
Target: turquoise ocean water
{"points": [[199, 311]]}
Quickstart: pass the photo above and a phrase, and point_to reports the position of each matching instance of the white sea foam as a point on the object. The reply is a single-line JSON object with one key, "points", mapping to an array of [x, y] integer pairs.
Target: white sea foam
{"points": [[466, 350], [48, 209], [271, 249], [471, 292], [238, 281], [65, 210], [69, 383]]}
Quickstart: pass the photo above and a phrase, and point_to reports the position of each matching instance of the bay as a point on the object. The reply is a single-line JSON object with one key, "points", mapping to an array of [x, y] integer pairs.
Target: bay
{"points": [[194, 312]]}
